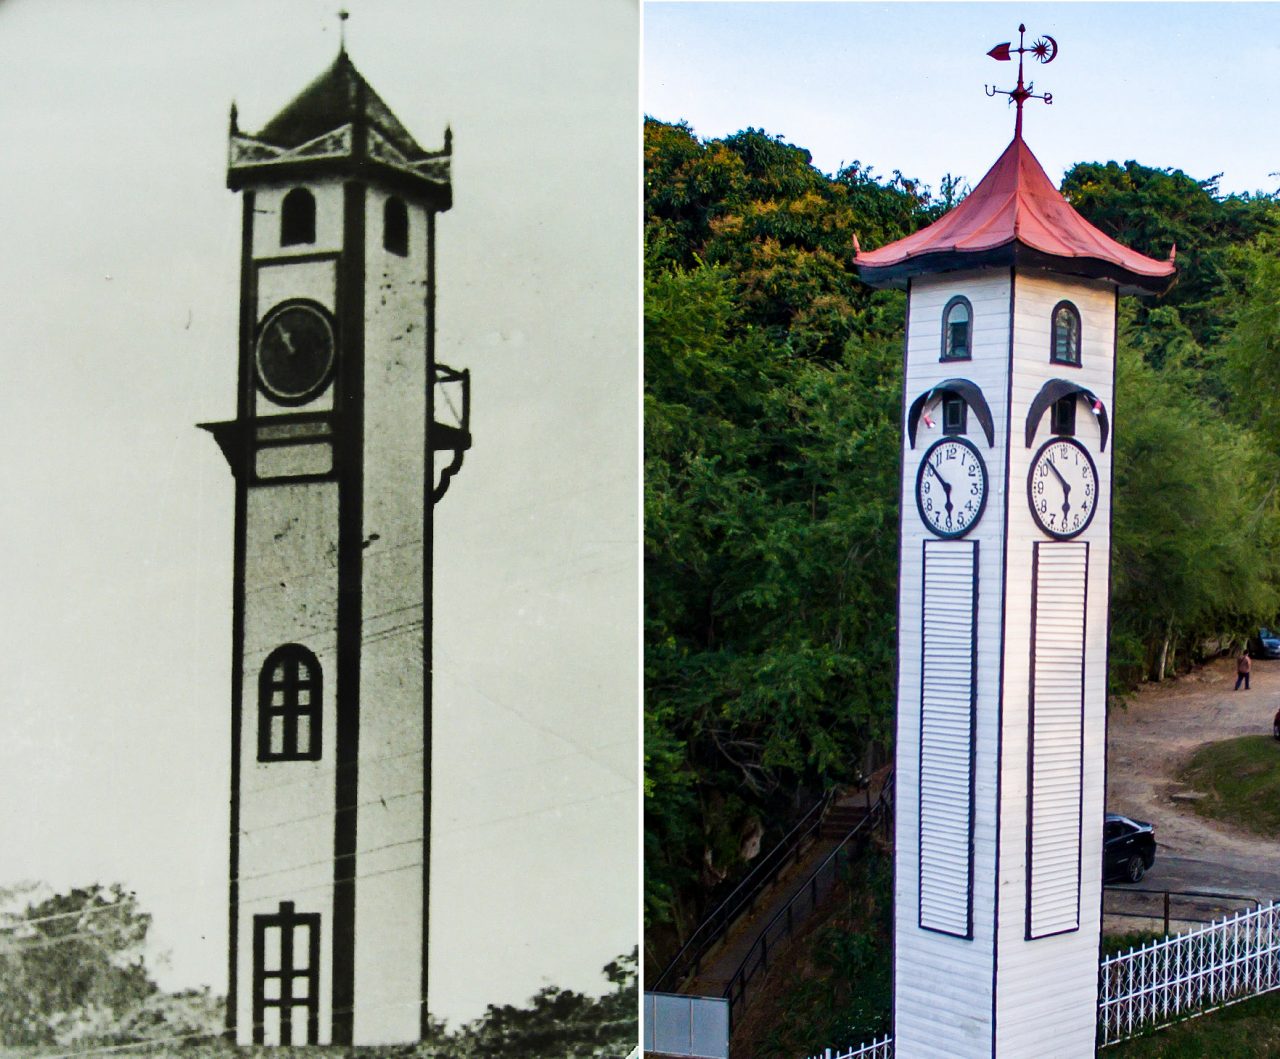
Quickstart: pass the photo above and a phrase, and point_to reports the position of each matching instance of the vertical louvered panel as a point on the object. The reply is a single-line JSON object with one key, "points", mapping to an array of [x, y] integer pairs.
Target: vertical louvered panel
{"points": [[1060, 573], [946, 736]]}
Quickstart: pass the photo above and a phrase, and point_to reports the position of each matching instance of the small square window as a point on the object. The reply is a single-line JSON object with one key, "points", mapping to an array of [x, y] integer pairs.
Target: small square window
{"points": [[1063, 418], [955, 414]]}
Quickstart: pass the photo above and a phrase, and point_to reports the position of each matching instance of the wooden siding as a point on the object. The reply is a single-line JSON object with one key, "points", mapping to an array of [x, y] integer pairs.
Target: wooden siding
{"points": [[1060, 572], [943, 984], [1047, 987], [946, 736]]}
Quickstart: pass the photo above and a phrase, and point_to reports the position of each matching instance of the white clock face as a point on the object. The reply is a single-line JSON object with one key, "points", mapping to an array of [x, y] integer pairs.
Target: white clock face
{"points": [[951, 487], [1062, 488]]}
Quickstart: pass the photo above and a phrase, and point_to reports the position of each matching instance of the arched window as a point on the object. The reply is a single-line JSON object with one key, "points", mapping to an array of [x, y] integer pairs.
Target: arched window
{"points": [[298, 218], [395, 227], [957, 329], [289, 698], [1065, 348]]}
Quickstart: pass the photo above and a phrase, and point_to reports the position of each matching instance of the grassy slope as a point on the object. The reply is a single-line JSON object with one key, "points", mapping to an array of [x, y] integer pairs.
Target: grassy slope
{"points": [[1241, 781], [1248, 1030]]}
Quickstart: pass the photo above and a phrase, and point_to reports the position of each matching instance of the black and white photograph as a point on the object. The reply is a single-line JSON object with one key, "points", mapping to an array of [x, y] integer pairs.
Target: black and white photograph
{"points": [[321, 547]]}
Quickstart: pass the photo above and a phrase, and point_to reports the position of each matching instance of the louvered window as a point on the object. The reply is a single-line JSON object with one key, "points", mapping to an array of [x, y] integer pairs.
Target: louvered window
{"points": [[1057, 731]]}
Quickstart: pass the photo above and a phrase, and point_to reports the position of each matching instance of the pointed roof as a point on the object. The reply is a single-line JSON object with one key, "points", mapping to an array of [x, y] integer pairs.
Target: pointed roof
{"points": [[1015, 216], [339, 126], [337, 97]]}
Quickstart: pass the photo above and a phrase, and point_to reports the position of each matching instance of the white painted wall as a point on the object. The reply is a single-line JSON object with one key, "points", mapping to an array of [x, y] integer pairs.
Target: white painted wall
{"points": [[1048, 987], [942, 984], [949, 999]]}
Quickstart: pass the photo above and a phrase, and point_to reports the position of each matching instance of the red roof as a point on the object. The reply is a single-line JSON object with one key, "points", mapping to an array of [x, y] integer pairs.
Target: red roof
{"points": [[1015, 216]]}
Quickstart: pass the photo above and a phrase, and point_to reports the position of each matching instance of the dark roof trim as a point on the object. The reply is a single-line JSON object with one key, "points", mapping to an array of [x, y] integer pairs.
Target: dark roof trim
{"points": [[435, 195], [1056, 389], [966, 391], [1017, 255]]}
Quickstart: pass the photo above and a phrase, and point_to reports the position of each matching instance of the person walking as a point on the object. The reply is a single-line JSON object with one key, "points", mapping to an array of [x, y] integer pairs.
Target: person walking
{"points": [[1243, 664]]}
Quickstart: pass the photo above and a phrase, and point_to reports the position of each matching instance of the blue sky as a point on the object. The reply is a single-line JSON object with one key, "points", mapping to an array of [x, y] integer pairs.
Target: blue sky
{"points": [[900, 85]]}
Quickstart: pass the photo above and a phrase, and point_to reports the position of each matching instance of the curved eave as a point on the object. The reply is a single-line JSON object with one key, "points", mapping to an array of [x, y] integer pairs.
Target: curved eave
{"points": [[434, 194], [1018, 255]]}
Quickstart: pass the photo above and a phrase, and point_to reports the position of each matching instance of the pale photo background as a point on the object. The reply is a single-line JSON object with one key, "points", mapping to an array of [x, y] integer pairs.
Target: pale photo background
{"points": [[118, 306]]}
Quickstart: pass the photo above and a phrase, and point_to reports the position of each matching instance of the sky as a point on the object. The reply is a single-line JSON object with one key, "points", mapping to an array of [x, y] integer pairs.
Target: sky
{"points": [[118, 303], [900, 85]]}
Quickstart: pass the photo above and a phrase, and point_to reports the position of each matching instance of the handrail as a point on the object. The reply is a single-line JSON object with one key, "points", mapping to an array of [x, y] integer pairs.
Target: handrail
{"points": [[1166, 913], [741, 976], [742, 897]]}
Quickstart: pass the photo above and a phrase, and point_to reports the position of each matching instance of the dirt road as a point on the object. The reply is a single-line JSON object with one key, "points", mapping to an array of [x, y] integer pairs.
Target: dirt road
{"points": [[1147, 744]]}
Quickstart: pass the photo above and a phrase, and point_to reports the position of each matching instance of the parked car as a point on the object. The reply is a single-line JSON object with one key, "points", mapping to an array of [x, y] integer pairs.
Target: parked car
{"points": [[1128, 848], [1267, 644]]}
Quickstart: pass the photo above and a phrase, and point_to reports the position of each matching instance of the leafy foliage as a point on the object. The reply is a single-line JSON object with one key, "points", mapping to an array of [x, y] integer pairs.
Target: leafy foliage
{"points": [[772, 412], [71, 968], [772, 402]]}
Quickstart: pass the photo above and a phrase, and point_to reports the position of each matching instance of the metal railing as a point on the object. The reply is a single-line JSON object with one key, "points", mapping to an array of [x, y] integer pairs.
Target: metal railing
{"points": [[802, 904], [882, 1049], [1173, 906], [1190, 973], [741, 899]]}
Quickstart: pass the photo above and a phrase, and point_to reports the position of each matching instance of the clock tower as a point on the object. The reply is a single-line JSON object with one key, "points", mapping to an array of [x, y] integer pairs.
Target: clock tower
{"points": [[338, 460], [1007, 450]]}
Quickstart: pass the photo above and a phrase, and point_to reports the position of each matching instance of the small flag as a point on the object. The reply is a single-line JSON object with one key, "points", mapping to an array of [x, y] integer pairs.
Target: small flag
{"points": [[927, 421]]}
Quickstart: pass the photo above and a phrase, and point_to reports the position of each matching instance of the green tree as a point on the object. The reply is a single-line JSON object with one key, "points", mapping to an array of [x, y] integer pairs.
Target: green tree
{"points": [[1152, 210], [772, 400]]}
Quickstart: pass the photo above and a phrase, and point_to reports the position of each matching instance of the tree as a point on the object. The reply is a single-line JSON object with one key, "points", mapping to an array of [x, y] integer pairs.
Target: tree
{"points": [[772, 400], [71, 966]]}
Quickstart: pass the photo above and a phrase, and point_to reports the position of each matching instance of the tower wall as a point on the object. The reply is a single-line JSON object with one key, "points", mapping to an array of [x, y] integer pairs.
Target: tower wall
{"points": [[286, 807], [389, 898], [943, 984], [1047, 998], [1009, 967]]}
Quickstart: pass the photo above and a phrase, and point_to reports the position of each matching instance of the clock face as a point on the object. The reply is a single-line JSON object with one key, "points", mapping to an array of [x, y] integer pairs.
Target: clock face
{"points": [[1063, 488], [951, 487], [295, 351]]}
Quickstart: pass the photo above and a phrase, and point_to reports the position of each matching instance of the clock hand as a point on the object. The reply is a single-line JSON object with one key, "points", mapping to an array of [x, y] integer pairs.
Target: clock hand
{"points": [[946, 486], [288, 342], [1066, 490]]}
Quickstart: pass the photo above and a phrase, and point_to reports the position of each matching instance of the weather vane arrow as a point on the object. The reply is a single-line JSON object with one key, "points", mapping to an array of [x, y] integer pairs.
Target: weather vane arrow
{"points": [[1044, 50]]}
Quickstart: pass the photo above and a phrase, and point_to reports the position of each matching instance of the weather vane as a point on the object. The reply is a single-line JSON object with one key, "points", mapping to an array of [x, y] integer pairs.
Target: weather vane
{"points": [[1044, 50]]}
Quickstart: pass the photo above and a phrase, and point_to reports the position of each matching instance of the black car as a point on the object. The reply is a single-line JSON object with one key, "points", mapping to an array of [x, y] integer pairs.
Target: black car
{"points": [[1266, 644], [1128, 848]]}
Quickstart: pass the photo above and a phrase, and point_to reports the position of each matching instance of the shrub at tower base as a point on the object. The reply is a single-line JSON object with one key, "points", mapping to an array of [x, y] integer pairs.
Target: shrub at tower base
{"points": [[772, 418], [72, 976]]}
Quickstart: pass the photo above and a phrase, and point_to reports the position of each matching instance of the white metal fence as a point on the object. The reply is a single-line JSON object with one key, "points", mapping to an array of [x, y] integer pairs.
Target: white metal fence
{"points": [[1226, 961], [882, 1049], [1171, 978]]}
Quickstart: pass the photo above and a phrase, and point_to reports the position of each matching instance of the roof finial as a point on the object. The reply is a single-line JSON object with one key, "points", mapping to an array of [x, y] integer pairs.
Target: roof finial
{"points": [[1044, 50], [343, 15]]}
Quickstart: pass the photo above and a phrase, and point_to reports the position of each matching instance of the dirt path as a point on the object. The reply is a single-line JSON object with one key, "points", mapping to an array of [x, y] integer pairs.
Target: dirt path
{"points": [[1147, 744]]}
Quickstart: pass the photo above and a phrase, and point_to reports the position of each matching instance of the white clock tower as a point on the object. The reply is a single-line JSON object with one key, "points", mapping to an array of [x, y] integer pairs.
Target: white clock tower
{"points": [[338, 462], [1002, 614]]}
